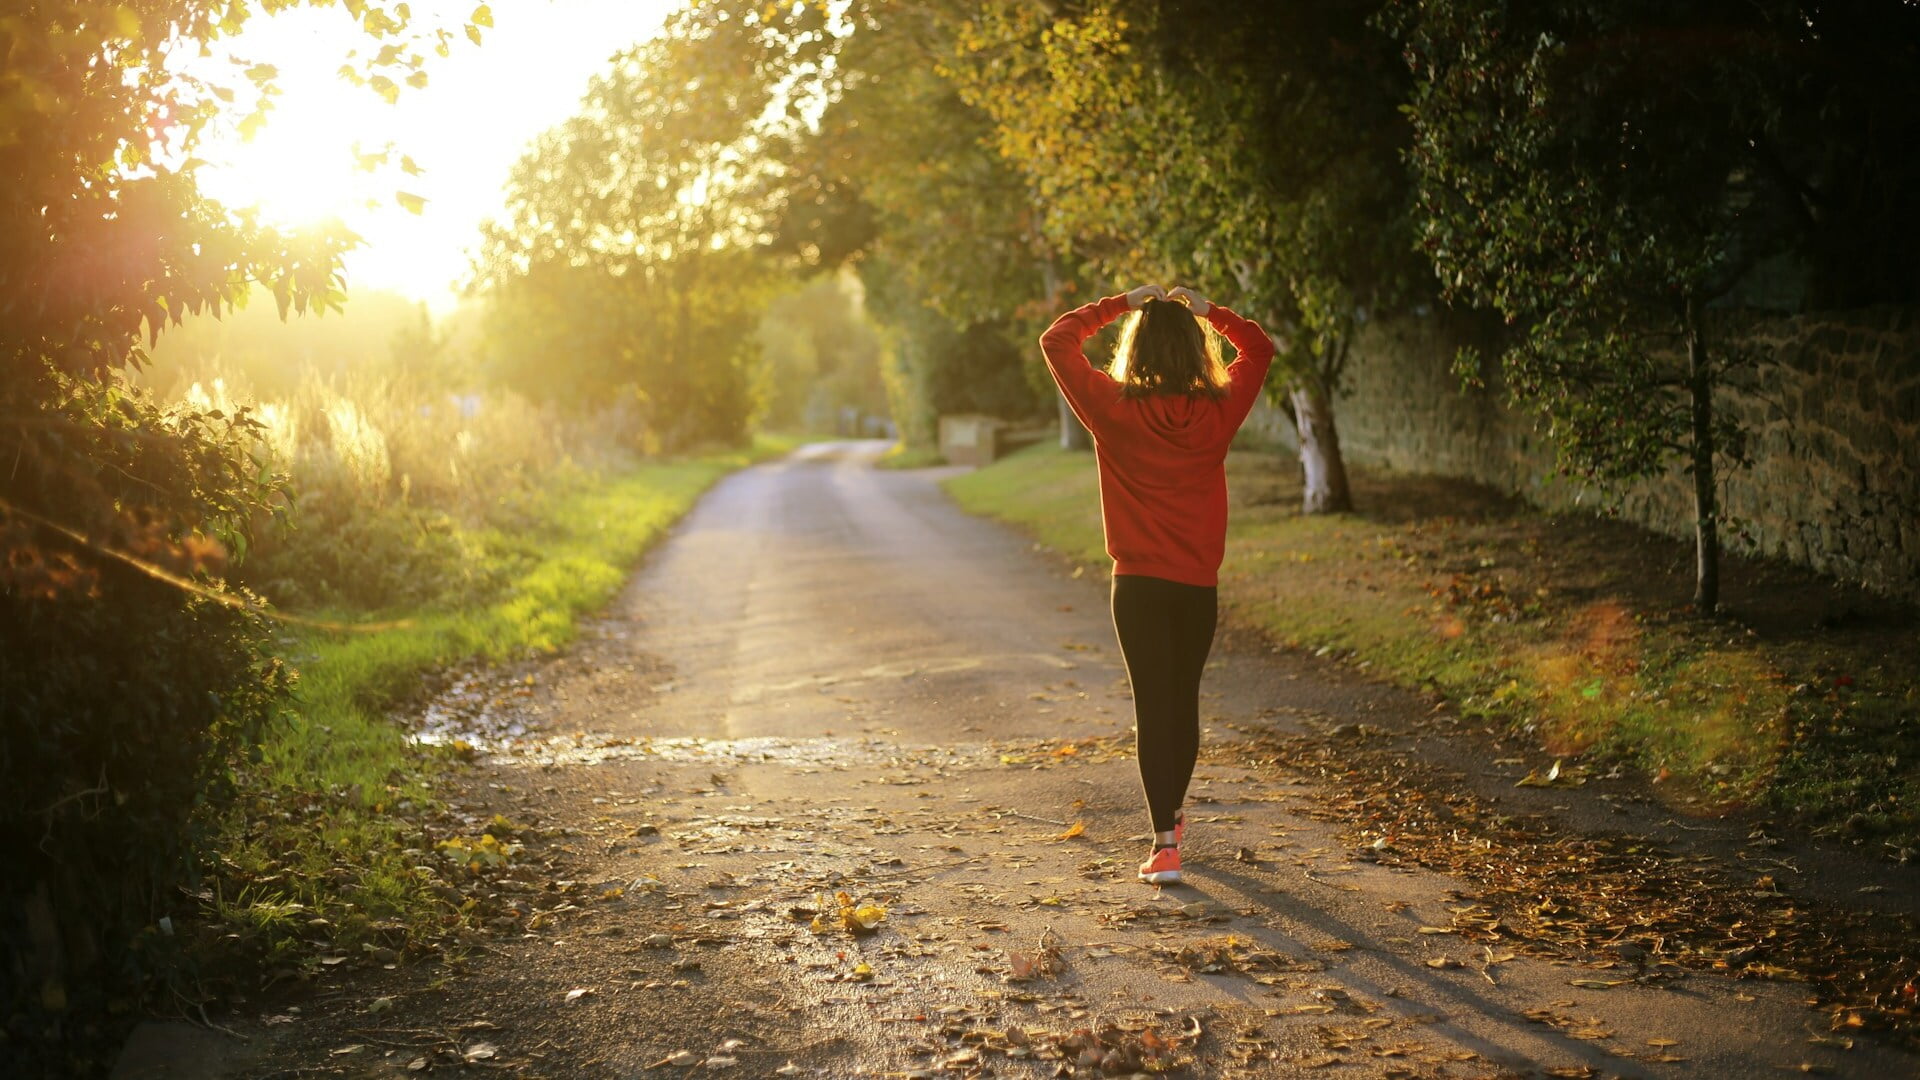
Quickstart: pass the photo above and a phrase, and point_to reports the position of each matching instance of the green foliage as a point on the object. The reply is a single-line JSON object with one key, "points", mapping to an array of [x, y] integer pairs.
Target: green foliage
{"points": [[1587, 204], [123, 713], [256, 351], [895, 178], [1601, 173], [955, 223], [637, 235], [1250, 152], [820, 355], [131, 674], [1601, 210], [129, 679], [936, 366]]}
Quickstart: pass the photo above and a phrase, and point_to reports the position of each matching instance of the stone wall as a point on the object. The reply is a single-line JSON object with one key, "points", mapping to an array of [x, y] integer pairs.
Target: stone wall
{"points": [[1833, 419]]}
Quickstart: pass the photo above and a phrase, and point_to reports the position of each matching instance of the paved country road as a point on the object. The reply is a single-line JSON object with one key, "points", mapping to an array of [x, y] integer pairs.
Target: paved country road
{"points": [[831, 680]]}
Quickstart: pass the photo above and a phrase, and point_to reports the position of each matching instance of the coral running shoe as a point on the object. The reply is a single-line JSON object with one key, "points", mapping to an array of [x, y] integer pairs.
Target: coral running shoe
{"points": [[1163, 868]]}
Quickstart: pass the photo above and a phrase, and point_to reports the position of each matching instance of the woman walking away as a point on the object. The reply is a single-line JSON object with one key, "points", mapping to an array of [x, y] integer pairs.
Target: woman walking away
{"points": [[1161, 416]]}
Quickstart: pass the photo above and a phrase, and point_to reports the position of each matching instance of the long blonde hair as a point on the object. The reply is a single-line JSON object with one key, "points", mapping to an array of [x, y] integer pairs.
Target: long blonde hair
{"points": [[1163, 349]]}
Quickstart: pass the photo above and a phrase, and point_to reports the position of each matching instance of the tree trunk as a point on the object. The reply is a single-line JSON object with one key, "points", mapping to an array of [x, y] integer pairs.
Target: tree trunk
{"points": [[1073, 434], [1706, 518], [1325, 471]]}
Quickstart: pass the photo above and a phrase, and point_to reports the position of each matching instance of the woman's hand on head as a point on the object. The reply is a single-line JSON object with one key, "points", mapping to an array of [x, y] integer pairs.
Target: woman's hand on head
{"points": [[1194, 300], [1140, 294]]}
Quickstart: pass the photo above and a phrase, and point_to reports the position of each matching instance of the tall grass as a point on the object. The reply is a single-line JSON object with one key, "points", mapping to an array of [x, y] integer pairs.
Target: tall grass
{"points": [[461, 525], [405, 496]]}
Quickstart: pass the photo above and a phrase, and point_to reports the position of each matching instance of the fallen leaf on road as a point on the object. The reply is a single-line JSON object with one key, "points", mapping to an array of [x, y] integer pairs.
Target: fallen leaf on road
{"points": [[1022, 964], [863, 917], [1076, 829], [577, 993], [481, 1051]]}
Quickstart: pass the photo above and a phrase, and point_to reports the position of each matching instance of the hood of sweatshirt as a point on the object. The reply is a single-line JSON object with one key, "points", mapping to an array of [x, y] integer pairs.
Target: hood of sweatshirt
{"points": [[1189, 422]]}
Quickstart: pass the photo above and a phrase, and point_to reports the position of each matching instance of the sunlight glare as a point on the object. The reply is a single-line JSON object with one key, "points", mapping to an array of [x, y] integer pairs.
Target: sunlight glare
{"points": [[481, 107], [300, 169]]}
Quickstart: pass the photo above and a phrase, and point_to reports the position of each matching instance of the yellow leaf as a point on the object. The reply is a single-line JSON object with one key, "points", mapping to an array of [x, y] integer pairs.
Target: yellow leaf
{"points": [[866, 916], [482, 16], [1076, 829], [413, 204]]}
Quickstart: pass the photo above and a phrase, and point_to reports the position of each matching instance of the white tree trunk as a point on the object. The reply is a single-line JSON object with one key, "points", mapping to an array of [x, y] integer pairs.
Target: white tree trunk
{"points": [[1073, 434], [1324, 470]]}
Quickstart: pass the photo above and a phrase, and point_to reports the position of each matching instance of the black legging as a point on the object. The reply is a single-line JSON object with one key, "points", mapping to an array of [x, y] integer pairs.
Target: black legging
{"points": [[1166, 631]]}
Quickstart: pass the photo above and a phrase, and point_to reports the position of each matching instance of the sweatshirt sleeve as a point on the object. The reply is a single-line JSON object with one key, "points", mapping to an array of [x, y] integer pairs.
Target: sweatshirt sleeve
{"points": [[1249, 369], [1089, 391]]}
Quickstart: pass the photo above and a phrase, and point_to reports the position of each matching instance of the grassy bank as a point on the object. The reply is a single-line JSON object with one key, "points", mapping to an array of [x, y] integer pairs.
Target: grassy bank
{"points": [[1804, 698], [326, 855], [902, 456]]}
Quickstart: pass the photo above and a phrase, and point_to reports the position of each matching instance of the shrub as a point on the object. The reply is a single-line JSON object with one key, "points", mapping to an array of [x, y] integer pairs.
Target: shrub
{"points": [[129, 681], [404, 495]]}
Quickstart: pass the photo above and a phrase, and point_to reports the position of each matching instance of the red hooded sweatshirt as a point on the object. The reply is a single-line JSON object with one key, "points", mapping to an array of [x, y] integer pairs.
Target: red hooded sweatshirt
{"points": [[1163, 476]]}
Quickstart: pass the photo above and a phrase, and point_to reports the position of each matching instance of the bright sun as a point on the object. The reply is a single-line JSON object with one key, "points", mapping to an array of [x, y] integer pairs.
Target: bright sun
{"points": [[478, 112], [300, 169]]}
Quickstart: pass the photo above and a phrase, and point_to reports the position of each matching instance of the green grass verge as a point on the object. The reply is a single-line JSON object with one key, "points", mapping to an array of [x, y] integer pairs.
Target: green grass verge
{"points": [[902, 456], [331, 825], [1568, 629]]}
